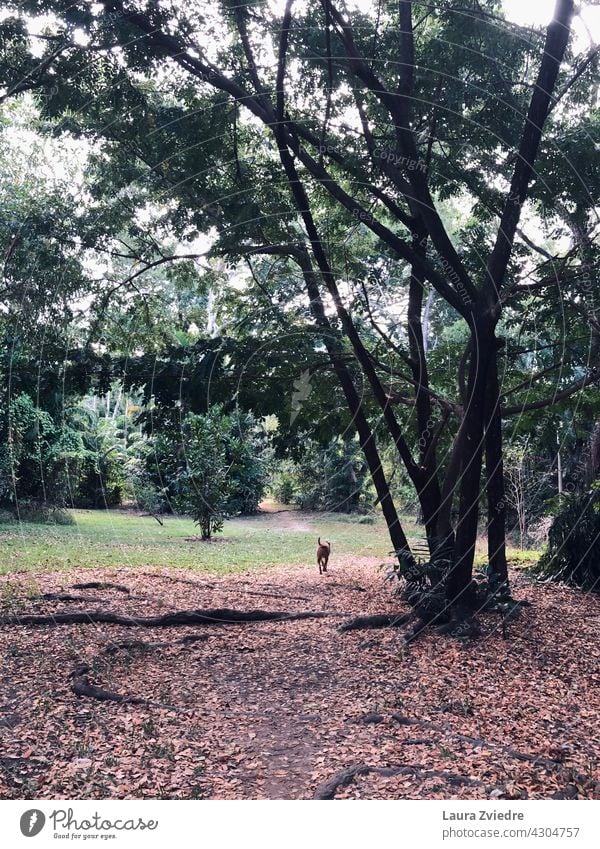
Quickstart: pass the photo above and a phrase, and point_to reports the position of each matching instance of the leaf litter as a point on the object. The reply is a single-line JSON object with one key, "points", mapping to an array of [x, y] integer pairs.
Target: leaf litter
{"points": [[292, 709]]}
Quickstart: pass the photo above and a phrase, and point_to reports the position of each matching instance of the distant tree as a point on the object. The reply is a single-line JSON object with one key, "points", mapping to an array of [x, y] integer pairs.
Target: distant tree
{"points": [[203, 483]]}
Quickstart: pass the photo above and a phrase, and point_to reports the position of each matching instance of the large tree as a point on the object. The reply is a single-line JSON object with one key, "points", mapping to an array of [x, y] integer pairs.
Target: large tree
{"points": [[333, 143]]}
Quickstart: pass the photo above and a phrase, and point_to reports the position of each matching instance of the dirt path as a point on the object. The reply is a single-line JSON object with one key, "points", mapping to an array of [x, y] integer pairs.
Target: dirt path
{"points": [[275, 709], [288, 518]]}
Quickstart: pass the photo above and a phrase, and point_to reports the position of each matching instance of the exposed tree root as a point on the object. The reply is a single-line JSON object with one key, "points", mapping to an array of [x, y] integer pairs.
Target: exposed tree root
{"points": [[176, 580], [328, 789], [70, 597], [548, 763], [378, 620], [210, 616], [367, 719], [102, 585], [464, 627], [81, 686]]}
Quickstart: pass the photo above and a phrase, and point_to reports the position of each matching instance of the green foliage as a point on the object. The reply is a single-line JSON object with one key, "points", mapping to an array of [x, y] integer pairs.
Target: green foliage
{"points": [[334, 478], [248, 457], [102, 479], [203, 483], [215, 466], [284, 482], [573, 554], [40, 456]]}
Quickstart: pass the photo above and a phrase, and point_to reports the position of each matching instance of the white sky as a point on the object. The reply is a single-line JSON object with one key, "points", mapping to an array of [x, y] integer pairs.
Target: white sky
{"points": [[586, 26]]}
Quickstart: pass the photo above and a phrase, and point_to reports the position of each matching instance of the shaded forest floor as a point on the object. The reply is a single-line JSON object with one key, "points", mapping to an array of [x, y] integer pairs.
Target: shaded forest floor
{"points": [[294, 709]]}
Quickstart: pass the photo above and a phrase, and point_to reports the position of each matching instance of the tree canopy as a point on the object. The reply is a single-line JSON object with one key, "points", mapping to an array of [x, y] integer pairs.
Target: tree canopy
{"points": [[250, 194]]}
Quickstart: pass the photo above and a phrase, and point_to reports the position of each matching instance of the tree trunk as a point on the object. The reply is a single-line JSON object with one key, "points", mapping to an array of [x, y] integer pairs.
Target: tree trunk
{"points": [[471, 464], [363, 428], [334, 347], [495, 476], [426, 477]]}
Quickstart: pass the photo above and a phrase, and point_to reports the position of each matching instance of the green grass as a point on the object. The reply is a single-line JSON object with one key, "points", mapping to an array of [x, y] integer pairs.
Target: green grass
{"points": [[518, 558], [102, 538], [105, 538]]}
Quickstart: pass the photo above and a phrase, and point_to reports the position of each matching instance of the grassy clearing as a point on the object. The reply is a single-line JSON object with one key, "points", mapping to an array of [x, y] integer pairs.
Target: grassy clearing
{"points": [[119, 538], [102, 538]]}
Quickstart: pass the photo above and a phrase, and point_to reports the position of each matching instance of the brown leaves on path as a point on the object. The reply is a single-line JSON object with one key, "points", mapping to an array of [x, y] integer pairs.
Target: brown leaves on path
{"points": [[291, 709]]}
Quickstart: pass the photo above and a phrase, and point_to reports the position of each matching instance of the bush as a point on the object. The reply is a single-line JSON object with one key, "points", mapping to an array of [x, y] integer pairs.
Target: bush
{"points": [[284, 483], [39, 456], [203, 482], [332, 478], [44, 514], [147, 498], [573, 554], [236, 447], [369, 519], [248, 460]]}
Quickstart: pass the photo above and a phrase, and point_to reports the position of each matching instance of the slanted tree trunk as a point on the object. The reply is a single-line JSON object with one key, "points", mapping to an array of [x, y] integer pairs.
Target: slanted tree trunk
{"points": [[427, 480], [365, 434]]}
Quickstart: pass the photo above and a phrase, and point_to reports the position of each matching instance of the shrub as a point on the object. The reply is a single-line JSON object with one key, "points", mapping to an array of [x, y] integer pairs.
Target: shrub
{"points": [[44, 514], [284, 486], [573, 553], [369, 519], [203, 481], [35, 454], [332, 478], [248, 460]]}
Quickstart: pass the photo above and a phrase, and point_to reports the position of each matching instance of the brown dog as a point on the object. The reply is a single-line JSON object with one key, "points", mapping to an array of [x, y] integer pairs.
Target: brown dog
{"points": [[323, 552]]}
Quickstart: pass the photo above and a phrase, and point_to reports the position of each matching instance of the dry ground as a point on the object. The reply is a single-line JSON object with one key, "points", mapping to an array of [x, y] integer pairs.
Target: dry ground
{"points": [[277, 709]]}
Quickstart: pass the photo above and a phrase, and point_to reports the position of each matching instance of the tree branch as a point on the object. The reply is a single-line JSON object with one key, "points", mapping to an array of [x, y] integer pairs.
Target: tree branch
{"points": [[557, 37], [577, 386]]}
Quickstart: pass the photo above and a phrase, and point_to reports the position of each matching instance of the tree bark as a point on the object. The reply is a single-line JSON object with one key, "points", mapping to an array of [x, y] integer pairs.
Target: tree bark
{"points": [[427, 482], [472, 439], [495, 476]]}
